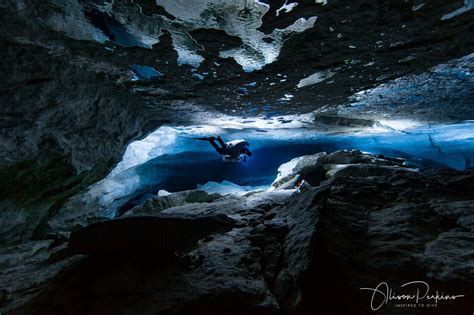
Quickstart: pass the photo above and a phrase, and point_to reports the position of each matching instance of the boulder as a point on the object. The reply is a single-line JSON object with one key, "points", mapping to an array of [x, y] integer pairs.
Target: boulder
{"points": [[157, 204], [315, 168], [304, 165]]}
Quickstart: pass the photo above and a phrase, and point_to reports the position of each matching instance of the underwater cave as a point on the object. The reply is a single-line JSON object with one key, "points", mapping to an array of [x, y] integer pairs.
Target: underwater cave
{"points": [[237, 157]]}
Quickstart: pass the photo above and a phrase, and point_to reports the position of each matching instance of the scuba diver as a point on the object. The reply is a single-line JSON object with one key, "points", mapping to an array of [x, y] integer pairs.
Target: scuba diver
{"points": [[233, 151]]}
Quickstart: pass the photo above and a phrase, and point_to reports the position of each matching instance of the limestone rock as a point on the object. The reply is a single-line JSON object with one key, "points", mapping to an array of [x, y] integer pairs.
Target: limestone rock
{"points": [[285, 251], [315, 168], [157, 204]]}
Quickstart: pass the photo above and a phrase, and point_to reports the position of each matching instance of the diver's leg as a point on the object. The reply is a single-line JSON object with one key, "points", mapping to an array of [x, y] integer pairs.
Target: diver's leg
{"points": [[221, 142], [214, 144], [224, 149]]}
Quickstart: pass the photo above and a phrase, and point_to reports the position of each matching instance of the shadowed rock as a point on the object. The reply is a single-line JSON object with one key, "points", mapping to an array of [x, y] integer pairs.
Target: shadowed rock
{"points": [[157, 204], [164, 234], [306, 249], [344, 121]]}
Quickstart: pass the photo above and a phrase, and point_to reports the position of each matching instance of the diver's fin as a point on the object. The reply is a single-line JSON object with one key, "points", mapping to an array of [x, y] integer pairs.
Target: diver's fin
{"points": [[206, 138]]}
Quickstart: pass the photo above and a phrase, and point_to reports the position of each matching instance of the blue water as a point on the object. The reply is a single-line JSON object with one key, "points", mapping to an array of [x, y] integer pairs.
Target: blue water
{"points": [[186, 162], [185, 170], [170, 159], [145, 73]]}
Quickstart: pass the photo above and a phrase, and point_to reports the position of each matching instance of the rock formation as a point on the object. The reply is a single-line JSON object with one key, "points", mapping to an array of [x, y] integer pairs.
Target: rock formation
{"points": [[83, 79], [307, 245]]}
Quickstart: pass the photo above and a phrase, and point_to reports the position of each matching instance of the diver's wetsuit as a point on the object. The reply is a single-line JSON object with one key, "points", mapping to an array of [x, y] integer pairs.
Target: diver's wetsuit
{"points": [[222, 149], [232, 150]]}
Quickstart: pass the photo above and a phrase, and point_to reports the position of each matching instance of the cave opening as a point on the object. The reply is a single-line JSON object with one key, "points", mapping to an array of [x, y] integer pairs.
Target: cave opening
{"points": [[171, 159], [117, 195]]}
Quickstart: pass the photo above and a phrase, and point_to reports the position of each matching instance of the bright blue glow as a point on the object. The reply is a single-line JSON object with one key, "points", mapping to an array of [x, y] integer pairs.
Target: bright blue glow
{"points": [[145, 72], [185, 163], [170, 159]]}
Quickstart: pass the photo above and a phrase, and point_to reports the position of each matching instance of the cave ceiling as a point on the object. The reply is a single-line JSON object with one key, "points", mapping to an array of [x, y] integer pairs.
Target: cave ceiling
{"points": [[246, 57]]}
